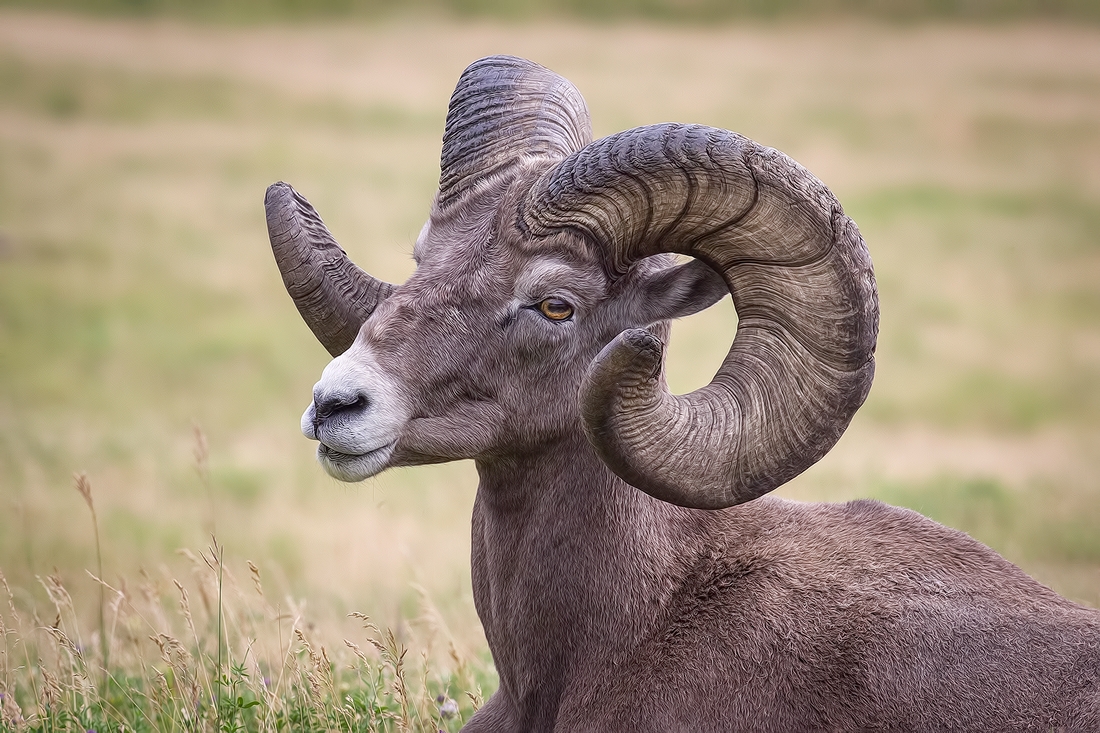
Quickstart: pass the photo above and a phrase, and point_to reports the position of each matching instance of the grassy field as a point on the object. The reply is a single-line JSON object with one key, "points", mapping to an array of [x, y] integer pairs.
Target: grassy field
{"points": [[680, 12], [146, 340]]}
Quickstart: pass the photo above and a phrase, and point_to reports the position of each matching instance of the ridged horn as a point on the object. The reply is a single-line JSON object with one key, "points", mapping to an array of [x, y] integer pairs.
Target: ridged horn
{"points": [[333, 295], [802, 282], [505, 110]]}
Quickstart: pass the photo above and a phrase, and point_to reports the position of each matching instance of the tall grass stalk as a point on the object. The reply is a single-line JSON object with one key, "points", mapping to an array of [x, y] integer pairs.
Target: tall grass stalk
{"points": [[84, 486], [215, 562]]}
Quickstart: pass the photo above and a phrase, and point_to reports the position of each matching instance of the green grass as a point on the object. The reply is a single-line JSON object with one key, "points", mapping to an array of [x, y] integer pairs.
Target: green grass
{"points": [[1032, 256], [1001, 517], [1041, 526]]}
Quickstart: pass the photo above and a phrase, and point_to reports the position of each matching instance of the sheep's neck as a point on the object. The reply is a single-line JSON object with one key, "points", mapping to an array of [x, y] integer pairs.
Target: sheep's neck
{"points": [[567, 559]]}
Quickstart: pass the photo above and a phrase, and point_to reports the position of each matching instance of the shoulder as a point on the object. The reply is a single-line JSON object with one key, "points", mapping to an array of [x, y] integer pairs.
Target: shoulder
{"points": [[868, 541]]}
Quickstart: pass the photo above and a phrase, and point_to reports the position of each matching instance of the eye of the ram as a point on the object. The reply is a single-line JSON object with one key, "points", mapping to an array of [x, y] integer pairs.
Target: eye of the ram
{"points": [[556, 309]]}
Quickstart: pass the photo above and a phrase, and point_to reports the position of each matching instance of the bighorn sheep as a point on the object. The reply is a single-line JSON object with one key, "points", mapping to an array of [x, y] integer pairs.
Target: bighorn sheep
{"points": [[628, 574]]}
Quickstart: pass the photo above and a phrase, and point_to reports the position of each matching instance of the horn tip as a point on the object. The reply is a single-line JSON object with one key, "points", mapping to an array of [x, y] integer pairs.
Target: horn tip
{"points": [[643, 343], [635, 353], [279, 189]]}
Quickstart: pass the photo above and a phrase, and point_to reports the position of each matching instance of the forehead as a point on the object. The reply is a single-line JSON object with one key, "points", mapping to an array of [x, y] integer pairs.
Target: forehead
{"points": [[504, 256]]}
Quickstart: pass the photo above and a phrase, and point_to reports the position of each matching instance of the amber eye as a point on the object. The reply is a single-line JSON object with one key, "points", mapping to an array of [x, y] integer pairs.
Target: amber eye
{"points": [[556, 309]]}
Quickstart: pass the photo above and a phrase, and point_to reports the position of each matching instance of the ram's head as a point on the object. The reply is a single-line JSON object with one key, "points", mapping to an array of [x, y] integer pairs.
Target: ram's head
{"points": [[543, 286]]}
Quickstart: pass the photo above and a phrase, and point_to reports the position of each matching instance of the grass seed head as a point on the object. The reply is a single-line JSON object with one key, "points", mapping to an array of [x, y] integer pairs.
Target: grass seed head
{"points": [[357, 652], [65, 642], [11, 715], [59, 597], [51, 693], [255, 573], [84, 486], [11, 598]]}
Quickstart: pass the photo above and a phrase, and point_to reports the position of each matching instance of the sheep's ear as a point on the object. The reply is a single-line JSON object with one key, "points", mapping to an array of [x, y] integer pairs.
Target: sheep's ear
{"points": [[675, 292]]}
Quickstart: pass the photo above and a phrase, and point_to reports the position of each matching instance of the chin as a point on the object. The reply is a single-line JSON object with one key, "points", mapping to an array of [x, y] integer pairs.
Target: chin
{"points": [[352, 468]]}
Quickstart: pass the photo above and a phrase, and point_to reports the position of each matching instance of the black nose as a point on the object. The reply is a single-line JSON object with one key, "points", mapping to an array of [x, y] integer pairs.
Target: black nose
{"points": [[329, 406]]}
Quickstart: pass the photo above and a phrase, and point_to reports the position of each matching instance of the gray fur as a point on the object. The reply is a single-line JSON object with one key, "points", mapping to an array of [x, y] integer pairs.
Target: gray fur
{"points": [[606, 608]]}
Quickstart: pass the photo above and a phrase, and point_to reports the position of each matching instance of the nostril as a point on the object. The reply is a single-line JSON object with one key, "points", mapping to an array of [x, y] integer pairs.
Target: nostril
{"points": [[328, 406]]}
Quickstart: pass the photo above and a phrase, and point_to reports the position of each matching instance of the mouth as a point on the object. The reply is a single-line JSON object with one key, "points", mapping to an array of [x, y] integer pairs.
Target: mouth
{"points": [[352, 467]]}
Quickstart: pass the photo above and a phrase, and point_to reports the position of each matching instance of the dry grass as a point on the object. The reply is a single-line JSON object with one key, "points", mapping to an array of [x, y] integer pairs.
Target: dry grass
{"points": [[138, 300], [211, 654], [208, 655]]}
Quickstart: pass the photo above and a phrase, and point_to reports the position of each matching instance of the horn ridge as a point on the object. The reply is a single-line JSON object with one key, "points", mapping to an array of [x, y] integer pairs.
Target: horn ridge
{"points": [[505, 110], [332, 294], [803, 286]]}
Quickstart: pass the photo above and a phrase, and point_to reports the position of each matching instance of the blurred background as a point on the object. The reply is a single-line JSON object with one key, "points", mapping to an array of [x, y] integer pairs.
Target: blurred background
{"points": [[146, 339]]}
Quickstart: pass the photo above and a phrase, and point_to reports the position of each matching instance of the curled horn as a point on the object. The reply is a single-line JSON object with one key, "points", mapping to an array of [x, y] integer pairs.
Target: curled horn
{"points": [[802, 360], [504, 111], [333, 295]]}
